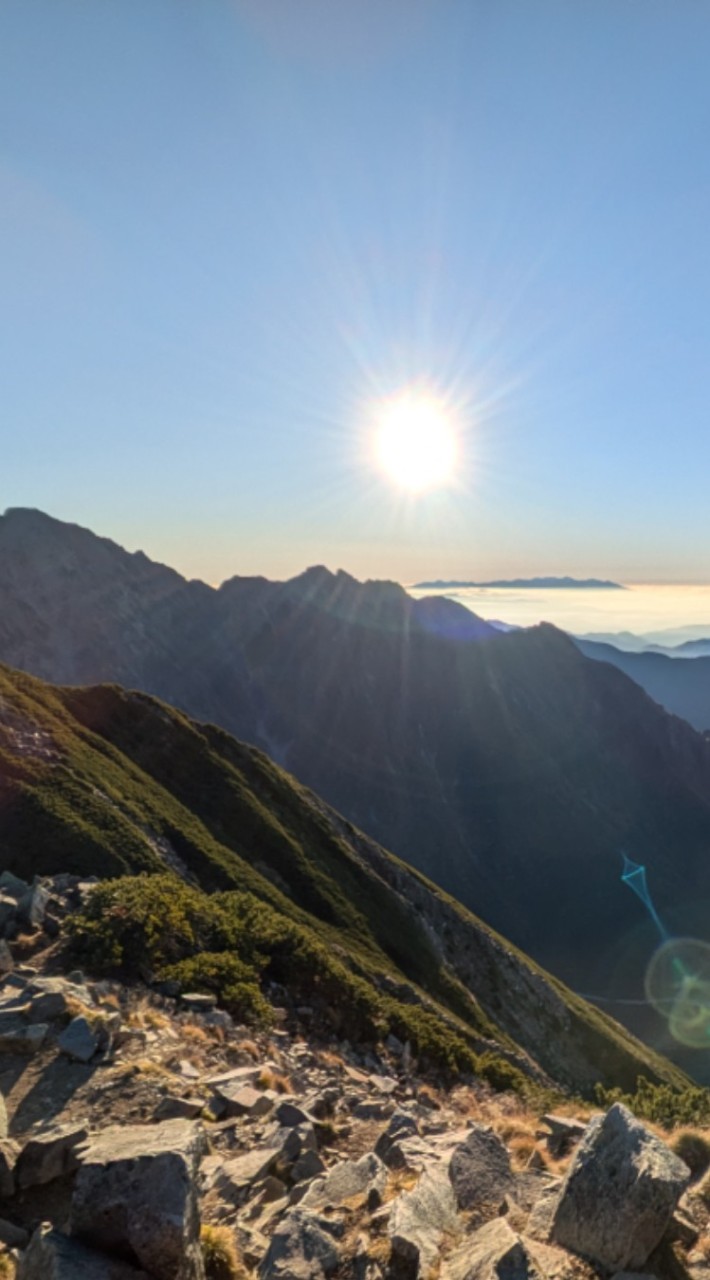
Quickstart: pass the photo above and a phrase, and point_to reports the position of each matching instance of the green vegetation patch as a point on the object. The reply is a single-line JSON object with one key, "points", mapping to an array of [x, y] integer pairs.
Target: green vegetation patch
{"points": [[661, 1104]]}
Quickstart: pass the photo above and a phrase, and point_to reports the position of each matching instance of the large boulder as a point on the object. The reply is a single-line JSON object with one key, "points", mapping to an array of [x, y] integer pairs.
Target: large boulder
{"points": [[136, 1194], [51, 1256], [302, 1248], [480, 1170], [619, 1193]]}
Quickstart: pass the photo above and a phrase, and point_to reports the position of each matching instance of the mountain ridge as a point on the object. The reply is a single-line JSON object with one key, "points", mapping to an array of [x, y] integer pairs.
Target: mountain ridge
{"points": [[99, 780], [506, 766]]}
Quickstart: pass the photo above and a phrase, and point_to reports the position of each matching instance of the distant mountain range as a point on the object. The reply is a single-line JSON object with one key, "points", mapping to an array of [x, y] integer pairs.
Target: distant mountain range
{"points": [[681, 685], [554, 584], [510, 768], [100, 781], [698, 647]]}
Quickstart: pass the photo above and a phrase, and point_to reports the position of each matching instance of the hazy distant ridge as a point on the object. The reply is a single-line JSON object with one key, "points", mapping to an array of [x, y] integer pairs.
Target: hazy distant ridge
{"points": [[566, 584]]}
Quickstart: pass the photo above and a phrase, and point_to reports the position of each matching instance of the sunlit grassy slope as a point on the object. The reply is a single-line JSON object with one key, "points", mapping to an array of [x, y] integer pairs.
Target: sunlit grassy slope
{"points": [[102, 781]]}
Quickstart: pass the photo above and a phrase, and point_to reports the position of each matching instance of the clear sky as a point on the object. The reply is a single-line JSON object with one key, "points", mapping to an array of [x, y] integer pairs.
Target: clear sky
{"points": [[229, 229]]}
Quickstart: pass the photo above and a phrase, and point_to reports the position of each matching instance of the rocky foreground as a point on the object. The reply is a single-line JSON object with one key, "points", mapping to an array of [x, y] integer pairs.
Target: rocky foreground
{"points": [[148, 1136]]}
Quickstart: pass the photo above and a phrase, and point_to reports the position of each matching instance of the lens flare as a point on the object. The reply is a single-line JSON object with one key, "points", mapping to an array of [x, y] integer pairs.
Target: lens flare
{"points": [[415, 441], [678, 986]]}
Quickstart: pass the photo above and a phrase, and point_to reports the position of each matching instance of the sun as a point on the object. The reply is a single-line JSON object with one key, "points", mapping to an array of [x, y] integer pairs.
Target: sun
{"points": [[415, 441]]}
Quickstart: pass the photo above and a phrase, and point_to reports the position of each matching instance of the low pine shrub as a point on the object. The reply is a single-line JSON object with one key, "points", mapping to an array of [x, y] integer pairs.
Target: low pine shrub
{"points": [[660, 1103]]}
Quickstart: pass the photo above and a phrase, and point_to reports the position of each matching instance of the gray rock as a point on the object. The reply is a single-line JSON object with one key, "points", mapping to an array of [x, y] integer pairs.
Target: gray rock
{"points": [[372, 1109], [346, 1180], [46, 1006], [619, 1193], [289, 1114], [3, 1118], [494, 1252], [17, 1037], [78, 1041], [401, 1125], [539, 1224], [418, 1221], [136, 1191], [233, 1179], [52, 1256], [230, 1093], [246, 1101], [302, 1248], [293, 1142], [532, 1183], [383, 1084], [7, 963], [172, 1108], [49, 1154], [9, 1154], [480, 1170], [33, 905], [309, 1165]]}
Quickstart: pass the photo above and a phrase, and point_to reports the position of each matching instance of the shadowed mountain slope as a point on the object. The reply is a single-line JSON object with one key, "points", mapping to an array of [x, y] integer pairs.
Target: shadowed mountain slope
{"points": [[507, 767], [103, 781]]}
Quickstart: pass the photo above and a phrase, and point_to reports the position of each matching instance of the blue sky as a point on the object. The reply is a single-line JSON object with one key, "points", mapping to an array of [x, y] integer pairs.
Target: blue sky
{"points": [[229, 228]]}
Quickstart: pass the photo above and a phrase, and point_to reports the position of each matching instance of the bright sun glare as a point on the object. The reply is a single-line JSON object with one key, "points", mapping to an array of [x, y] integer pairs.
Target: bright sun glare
{"points": [[415, 441]]}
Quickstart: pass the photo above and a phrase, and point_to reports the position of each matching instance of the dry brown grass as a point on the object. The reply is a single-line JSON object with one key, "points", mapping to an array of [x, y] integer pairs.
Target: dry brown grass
{"points": [[466, 1101], [220, 1254], [702, 1246], [250, 1048], [521, 1148], [273, 1080], [194, 1034], [522, 1125], [149, 1067], [399, 1180], [327, 1058]]}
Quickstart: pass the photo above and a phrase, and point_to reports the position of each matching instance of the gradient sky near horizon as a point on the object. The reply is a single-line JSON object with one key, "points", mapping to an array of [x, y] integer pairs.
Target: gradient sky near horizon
{"points": [[230, 227]]}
